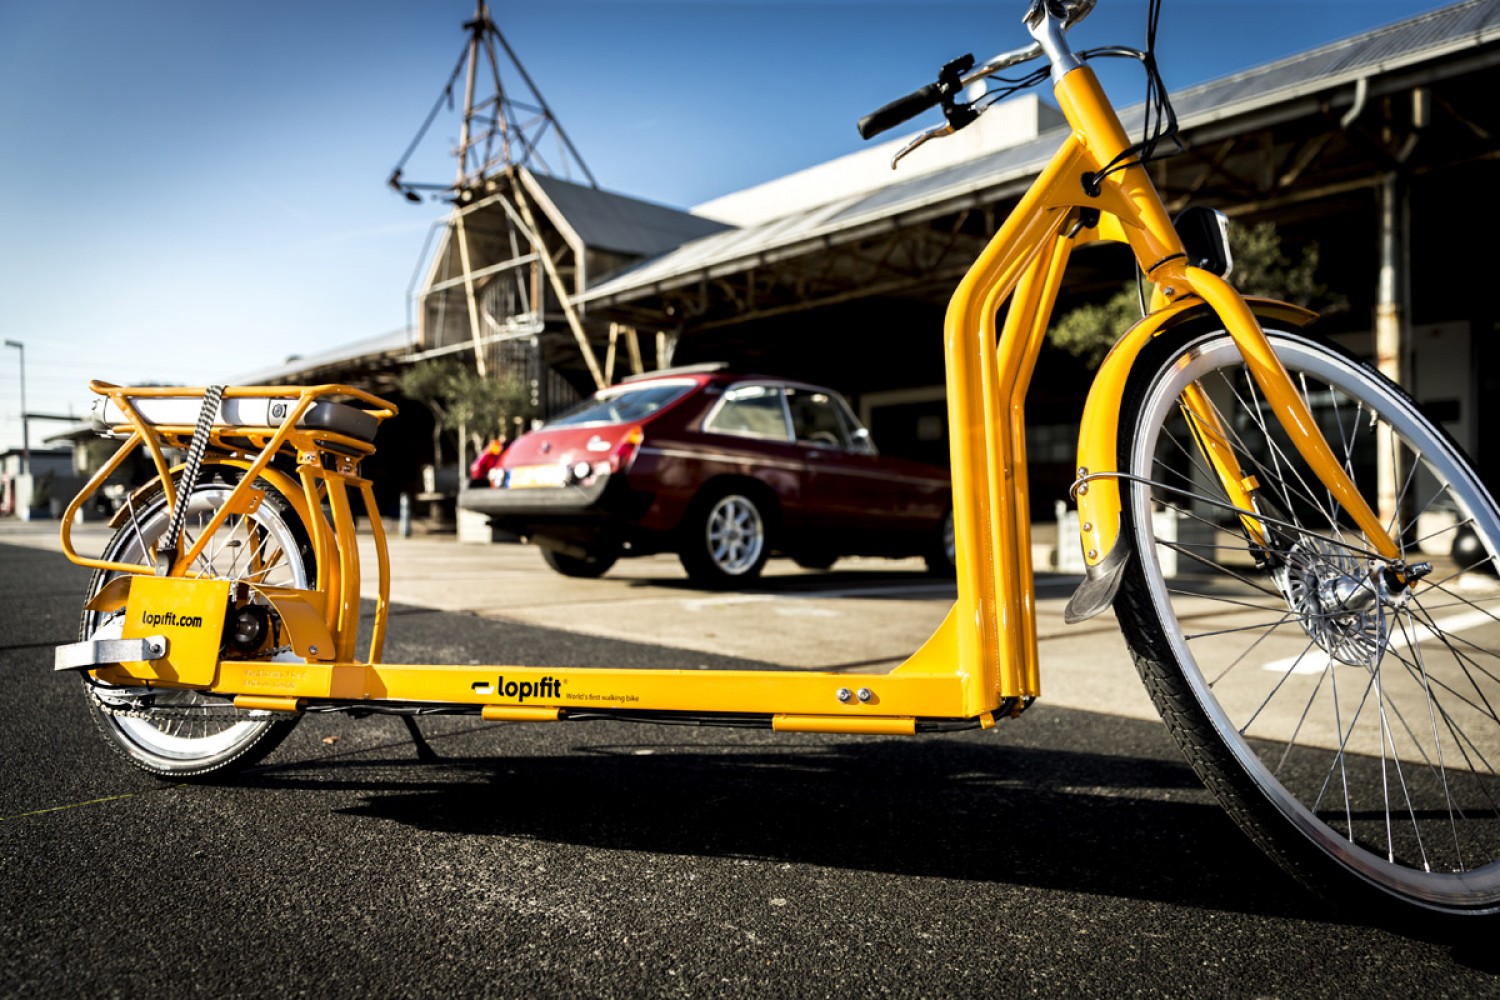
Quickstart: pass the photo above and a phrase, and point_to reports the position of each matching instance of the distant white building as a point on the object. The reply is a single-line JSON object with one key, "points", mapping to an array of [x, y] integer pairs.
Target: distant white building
{"points": [[1007, 124]]}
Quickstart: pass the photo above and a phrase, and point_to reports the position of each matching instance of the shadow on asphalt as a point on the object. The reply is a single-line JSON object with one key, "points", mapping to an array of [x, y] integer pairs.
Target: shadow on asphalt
{"points": [[885, 585], [884, 581], [967, 808]]}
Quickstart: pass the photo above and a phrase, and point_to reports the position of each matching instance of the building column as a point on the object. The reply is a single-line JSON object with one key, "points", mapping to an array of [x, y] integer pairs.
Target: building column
{"points": [[1392, 333]]}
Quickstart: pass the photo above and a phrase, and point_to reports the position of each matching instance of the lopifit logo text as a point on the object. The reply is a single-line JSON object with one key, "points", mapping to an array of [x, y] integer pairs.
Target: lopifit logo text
{"points": [[171, 619], [547, 687]]}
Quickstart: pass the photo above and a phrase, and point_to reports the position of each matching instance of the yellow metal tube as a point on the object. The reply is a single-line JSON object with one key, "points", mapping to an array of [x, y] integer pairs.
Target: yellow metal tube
{"points": [[985, 633], [383, 574], [90, 488], [346, 625], [254, 702], [850, 725], [1288, 405], [1208, 432], [519, 713]]}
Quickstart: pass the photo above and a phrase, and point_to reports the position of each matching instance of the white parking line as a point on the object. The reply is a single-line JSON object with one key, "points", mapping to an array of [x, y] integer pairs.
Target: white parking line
{"points": [[1314, 663]]}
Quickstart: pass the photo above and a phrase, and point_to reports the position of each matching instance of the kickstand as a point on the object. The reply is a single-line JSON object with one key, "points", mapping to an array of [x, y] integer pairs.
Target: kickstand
{"points": [[425, 753]]}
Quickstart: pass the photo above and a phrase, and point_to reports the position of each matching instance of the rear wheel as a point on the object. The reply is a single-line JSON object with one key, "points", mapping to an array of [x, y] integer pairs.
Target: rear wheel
{"points": [[725, 539], [1346, 718], [185, 734]]}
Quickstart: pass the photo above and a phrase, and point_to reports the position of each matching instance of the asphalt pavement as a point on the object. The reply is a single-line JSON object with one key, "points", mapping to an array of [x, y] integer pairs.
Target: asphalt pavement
{"points": [[1069, 852]]}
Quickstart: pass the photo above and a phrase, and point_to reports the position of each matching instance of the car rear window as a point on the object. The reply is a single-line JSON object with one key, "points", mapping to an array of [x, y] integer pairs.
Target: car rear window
{"points": [[621, 406]]}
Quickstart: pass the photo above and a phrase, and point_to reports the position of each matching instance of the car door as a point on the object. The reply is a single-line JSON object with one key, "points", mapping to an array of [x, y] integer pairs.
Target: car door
{"points": [[846, 488], [747, 433]]}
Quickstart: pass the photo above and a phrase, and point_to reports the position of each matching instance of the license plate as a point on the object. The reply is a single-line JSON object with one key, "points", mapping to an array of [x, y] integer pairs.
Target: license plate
{"points": [[528, 477]]}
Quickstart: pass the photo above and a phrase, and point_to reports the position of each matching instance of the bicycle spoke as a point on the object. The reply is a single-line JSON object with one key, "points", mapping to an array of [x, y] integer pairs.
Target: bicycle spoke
{"points": [[1365, 717]]}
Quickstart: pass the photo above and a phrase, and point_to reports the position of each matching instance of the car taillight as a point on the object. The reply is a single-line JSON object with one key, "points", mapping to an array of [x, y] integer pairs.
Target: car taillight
{"points": [[625, 451]]}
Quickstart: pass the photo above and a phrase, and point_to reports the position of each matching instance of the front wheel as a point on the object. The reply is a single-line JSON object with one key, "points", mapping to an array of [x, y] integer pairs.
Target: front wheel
{"points": [[593, 564], [180, 733], [1346, 718]]}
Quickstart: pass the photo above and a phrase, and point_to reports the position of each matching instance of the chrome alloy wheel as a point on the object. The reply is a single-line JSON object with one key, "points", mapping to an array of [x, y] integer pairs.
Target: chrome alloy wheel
{"points": [[736, 535]]}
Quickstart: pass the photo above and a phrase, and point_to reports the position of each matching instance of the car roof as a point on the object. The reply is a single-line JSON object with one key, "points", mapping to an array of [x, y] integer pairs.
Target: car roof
{"points": [[703, 369], [716, 372]]}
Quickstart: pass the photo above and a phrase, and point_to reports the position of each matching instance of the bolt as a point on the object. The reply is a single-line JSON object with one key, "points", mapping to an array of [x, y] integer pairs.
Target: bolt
{"points": [[1088, 526], [1169, 291], [313, 650], [865, 694], [1093, 554], [155, 649], [844, 695]]}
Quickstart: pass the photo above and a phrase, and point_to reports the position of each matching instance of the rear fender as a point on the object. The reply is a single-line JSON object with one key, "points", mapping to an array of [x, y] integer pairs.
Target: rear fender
{"points": [[280, 481], [319, 531]]}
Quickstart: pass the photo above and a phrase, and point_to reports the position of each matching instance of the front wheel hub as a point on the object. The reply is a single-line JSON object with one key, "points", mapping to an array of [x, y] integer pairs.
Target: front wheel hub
{"points": [[1340, 602]]}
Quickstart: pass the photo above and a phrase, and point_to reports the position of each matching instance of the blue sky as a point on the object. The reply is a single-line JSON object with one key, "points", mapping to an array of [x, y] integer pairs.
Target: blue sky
{"points": [[194, 190]]}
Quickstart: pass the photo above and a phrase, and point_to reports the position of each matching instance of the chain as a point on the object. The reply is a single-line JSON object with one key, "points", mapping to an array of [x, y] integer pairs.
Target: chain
{"points": [[196, 713]]}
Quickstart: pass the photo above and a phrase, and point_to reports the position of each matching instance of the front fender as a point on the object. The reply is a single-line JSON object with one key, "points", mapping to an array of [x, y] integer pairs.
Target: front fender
{"points": [[1105, 552]]}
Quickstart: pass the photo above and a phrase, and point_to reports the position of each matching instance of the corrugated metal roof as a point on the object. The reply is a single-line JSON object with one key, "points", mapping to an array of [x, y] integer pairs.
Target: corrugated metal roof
{"points": [[1420, 39], [604, 220], [394, 343]]}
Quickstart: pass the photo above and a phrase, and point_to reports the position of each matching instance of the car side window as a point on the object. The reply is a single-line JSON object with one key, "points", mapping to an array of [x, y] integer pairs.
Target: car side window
{"points": [[816, 419], [750, 411]]}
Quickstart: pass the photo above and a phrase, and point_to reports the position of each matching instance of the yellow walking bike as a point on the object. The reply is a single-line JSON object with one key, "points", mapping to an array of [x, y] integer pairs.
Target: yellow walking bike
{"points": [[1301, 561]]}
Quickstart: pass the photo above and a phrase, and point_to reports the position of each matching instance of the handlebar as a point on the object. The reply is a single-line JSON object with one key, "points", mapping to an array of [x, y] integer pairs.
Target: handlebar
{"points": [[949, 83], [961, 72], [902, 109]]}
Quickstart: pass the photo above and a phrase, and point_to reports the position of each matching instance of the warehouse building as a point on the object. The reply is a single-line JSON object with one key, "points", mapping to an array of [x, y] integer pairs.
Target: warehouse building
{"points": [[1374, 147]]}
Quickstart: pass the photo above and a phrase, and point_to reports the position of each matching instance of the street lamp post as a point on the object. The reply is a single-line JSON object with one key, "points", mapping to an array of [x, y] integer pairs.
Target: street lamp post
{"points": [[25, 437]]}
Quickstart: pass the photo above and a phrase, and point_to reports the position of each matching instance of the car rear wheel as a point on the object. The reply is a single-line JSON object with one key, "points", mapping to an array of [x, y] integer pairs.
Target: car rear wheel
{"points": [[590, 566], [725, 539]]}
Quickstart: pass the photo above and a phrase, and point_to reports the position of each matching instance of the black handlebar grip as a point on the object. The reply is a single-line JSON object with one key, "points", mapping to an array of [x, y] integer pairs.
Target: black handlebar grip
{"points": [[900, 110]]}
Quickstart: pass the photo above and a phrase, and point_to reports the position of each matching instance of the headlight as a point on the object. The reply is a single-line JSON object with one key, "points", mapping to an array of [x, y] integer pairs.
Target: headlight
{"points": [[1205, 236]]}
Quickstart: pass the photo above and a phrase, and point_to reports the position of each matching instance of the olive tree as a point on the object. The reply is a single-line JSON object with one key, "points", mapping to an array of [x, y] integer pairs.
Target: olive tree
{"points": [[474, 406]]}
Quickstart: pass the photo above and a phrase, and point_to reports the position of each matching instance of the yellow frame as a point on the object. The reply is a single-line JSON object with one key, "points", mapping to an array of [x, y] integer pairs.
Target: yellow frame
{"points": [[981, 662]]}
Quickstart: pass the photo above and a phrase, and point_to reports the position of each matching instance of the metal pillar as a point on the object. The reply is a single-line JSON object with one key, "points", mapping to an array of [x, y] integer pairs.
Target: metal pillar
{"points": [[25, 430], [1392, 334]]}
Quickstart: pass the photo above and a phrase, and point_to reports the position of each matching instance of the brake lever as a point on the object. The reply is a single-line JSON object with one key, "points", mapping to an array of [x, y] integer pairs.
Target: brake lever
{"points": [[936, 132], [955, 116]]}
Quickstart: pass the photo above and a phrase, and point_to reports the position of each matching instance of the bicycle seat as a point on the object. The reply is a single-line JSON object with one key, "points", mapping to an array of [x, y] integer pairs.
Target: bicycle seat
{"points": [[238, 412]]}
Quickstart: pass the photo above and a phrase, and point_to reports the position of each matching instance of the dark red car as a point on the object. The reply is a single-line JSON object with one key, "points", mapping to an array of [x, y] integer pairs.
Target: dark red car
{"points": [[722, 469]]}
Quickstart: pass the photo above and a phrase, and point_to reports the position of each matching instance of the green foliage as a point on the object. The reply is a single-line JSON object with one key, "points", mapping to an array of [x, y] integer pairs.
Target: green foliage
{"points": [[1261, 267], [460, 397], [1089, 331]]}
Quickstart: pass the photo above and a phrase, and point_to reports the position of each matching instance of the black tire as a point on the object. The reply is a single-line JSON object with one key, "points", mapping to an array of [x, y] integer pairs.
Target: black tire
{"points": [[942, 555], [589, 567], [726, 538], [1351, 733], [183, 734]]}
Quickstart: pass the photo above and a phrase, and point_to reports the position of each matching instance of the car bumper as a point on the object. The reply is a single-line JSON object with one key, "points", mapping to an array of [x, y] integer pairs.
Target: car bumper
{"points": [[543, 502]]}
